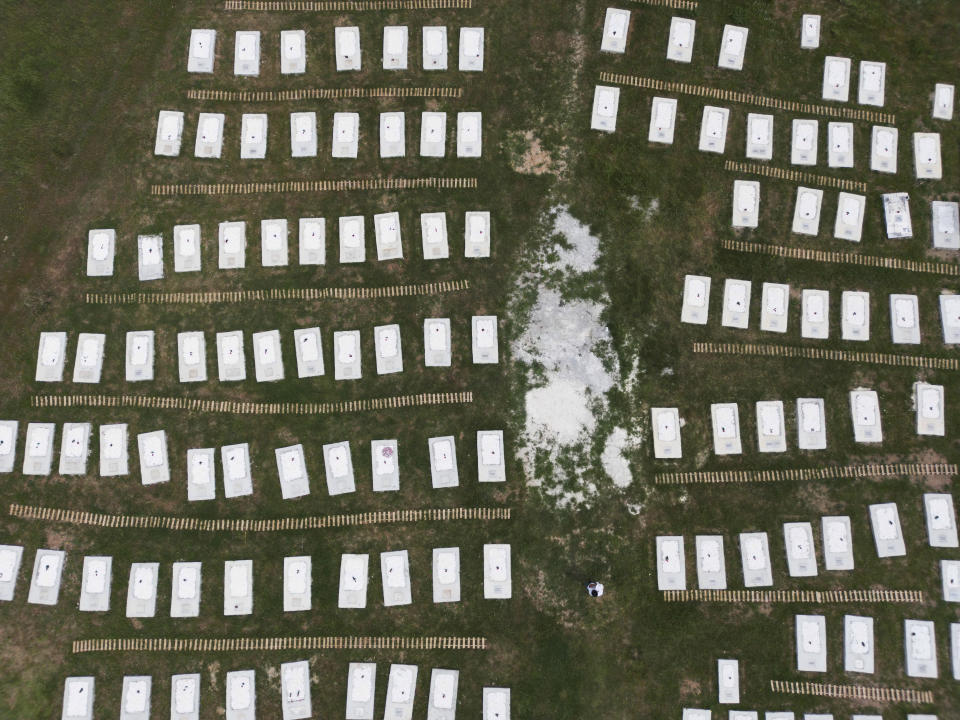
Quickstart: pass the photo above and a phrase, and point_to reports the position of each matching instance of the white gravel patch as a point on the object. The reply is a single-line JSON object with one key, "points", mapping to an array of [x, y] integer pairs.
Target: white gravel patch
{"points": [[614, 463]]}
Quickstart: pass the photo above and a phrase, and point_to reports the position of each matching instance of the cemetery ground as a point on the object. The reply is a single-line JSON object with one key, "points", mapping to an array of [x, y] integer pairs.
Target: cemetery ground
{"points": [[80, 86]]}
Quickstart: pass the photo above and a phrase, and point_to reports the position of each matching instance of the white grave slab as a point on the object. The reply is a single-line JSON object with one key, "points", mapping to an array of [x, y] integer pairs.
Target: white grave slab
{"points": [[928, 401], [303, 134], [209, 143], [241, 699], [78, 694], [313, 241], [433, 234], [774, 303], [497, 573], [388, 349], [443, 461], [101, 249], [436, 342], [873, 81], [713, 129], [385, 462], [470, 134], [352, 239], [803, 142], [728, 682], [806, 212], [696, 299], [943, 95], [836, 78], [759, 136], [149, 257], [471, 49], [338, 465], [616, 24], [671, 564], [47, 573], [941, 520], [446, 574], [666, 432], [142, 590], [815, 314], [496, 703], [186, 582], [887, 534], [89, 362], [95, 583], [293, 52], [346, 135], [273, 242], [491, 464], [8, 445], [395, 578], [663, 120], [309, 349], [926, 156], [945, 225], [237, 587], [434, 47], [135, 697], [476, 237], [433, 134], [389, 244], [484, 339], [883, 152], [295, 690], [51, 356], [725, 418], [203, 45], [606, 103], [154, 462], [755, 558], [232, 245], [680, 40], [347, 42], [395, 40], [38, 449], [346, 355], [950, 577], [733, 46], [231, 362], [169, 133], [865, 411], [201, 478], [113, 450], [858, 646], [840, 144], [253, 136], [811, 424], [771, 427], [921, 648], [186, 248], [801, 554], [192, 356], [237, 480], [855, 315], [811, 633], [711, 564], [401, 687], [292, 469], [442, 704], [810, 32], [746, 203], [267, 356], [10, 559], [361, 684], [353, 581], [950, 318], [955, 649], [297, 583], [393, 141], [246, 57], [849, 222], [837, 542], [185, 697], [904, 319]]}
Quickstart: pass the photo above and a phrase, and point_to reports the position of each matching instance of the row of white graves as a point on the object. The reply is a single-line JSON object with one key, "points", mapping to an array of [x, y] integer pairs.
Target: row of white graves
{"points": [[814, 311], [267, 352], [837, 80], [920, 647], [345, 137], [275, 242], [291, 465], [801, 551], [348, 53], [186, 581]]}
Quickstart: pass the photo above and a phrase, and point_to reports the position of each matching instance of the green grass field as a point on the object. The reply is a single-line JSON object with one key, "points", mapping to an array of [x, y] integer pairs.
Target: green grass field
{"points": [[80, 87]]}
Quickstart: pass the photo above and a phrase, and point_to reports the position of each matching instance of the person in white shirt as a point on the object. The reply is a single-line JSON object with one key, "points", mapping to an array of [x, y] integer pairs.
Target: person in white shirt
{"points": [[595, 589]]}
